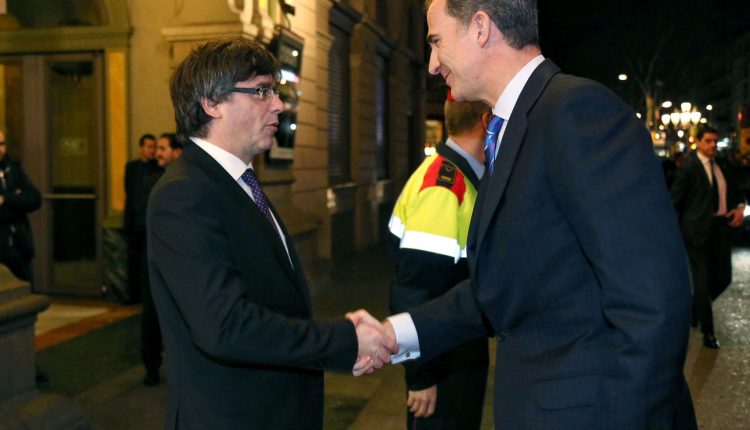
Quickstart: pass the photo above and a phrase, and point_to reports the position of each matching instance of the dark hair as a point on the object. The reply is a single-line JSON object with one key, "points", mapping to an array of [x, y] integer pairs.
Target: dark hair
{"points": [[145, 137], [461, 117], [210, 72], [706, 129], [517, 19], [174, 142]]}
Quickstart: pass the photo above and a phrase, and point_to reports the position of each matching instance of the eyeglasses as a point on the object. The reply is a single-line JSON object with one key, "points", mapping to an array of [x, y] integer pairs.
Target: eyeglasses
{"points": [[264, 93]]}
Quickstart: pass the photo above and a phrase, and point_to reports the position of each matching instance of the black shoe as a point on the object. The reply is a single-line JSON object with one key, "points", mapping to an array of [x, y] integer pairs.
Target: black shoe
{"points": [[42, 378], [710, 341], [152, 378]]}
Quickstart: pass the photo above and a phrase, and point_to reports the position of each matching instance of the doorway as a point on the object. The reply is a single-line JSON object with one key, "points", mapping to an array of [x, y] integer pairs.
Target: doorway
{"points": [[54, 115]]}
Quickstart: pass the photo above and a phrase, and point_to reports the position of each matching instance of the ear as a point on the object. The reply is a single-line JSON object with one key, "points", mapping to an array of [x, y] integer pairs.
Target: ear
{"points": [[486, 119], [481, 24], [211, 108]]}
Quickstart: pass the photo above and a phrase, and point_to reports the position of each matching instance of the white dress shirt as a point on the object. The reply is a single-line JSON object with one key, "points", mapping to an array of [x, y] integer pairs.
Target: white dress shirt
{"points": [[406, 333], [719, 178]]}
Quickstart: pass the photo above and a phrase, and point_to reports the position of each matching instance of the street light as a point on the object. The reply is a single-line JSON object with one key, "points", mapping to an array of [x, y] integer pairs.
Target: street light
{"points": [[622, 77]]}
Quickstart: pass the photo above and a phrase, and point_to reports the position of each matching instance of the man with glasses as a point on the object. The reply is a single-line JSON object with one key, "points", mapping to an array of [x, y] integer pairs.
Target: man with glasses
{"points": [[233, 304]]}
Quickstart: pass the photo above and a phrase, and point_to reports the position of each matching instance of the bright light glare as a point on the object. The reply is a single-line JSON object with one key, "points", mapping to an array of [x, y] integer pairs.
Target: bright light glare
{"points": [[667, 104], [638, 114], [429, 150], [723, 143], [709, 107], [295, 53], [680, 133], [623, 77], [292, 126]]}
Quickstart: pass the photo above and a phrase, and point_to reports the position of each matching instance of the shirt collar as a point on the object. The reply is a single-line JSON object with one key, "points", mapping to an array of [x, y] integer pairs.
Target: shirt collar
{"points": [[702, 157], [230, 162], [475, 165], [507, 101]]}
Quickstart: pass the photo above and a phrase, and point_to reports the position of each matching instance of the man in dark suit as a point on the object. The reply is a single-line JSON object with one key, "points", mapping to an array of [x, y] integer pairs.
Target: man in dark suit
{"points": [[708, 204], [242, 351], [134, 223], [18, 198], [575, 256], [168, 149]]}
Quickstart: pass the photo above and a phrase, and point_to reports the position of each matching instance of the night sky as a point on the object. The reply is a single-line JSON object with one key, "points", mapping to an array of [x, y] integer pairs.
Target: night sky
{"points": [[685, 43]]}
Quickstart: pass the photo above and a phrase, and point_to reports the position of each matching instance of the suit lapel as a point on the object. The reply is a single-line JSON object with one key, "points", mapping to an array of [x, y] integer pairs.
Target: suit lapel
{"points": [[194, 154], [493, 187]]}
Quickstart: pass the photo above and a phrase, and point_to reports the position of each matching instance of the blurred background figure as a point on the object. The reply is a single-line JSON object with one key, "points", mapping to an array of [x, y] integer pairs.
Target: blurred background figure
{"points": [[168, 148], [134, 224], [18, 197], [708, 202]]}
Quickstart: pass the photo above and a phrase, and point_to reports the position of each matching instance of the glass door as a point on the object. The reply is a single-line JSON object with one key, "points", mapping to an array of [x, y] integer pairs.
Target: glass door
{"points": [[73, 150]]}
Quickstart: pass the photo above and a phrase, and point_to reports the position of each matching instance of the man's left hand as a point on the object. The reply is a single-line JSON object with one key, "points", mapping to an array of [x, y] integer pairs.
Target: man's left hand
{"points": [[736, 216]]}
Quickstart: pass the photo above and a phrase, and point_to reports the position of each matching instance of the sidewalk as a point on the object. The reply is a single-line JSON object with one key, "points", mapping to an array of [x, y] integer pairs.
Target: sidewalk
{"points": [[719, 380]]}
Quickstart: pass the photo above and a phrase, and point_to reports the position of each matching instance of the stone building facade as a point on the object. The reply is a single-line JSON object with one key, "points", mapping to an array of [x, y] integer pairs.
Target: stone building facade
{"points": [[83, 79]]}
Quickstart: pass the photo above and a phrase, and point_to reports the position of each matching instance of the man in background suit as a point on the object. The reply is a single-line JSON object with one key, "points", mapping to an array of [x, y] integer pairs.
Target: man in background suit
{"points": [[708, 204], [242, 351], [134, 223], [575, 256], [168, 149]]}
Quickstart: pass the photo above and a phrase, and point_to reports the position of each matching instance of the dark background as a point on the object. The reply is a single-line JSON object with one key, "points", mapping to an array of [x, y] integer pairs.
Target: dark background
{"points": [[673, 47]]}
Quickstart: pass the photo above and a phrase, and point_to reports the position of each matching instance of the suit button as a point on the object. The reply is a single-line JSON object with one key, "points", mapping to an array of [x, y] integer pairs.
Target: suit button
{"points": [[501, 336], [408, 354]]}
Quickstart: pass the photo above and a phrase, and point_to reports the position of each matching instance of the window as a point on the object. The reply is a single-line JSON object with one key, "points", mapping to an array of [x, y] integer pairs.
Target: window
{"points": [[381, 117], [339, 135]]}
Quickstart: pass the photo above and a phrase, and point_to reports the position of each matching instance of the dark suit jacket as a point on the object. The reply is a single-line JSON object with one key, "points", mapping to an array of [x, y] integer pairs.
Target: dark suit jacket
{"points": [[576, 262], [241, 350], [21, 197], [136, 194], [691, 196]]}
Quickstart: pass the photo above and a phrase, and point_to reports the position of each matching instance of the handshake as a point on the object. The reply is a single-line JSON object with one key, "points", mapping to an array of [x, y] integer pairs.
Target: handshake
{"points": [[376, 342]]}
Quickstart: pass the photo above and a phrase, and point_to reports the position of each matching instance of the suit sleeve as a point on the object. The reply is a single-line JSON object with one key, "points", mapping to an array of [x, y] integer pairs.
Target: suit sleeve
{"points": [[606, 179], [21, 197], [191, 257]]}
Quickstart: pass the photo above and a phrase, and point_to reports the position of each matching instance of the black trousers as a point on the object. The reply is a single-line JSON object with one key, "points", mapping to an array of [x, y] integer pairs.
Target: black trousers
{"points": [[711, 266], [151, 343], [136, 263], [460, 399]]}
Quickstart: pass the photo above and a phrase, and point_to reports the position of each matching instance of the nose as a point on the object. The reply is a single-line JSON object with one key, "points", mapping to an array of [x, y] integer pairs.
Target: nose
{"points": [[434, 66], [276, 104]]}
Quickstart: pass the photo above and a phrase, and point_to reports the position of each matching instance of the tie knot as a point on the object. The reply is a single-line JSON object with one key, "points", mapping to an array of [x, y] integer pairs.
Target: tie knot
{"points": [[249, 177], [496, 123]]}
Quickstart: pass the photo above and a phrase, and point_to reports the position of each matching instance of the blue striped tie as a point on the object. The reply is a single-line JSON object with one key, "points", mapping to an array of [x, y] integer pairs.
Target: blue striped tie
{"points": [[490, 141]]}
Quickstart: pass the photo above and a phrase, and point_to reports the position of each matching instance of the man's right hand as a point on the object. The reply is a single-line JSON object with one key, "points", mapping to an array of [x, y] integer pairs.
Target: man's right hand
{"points": [[375, 343]]}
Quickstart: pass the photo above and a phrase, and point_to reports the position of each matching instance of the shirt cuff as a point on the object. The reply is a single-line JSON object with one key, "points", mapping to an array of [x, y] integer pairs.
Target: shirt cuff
{"points": [[406, 337]]}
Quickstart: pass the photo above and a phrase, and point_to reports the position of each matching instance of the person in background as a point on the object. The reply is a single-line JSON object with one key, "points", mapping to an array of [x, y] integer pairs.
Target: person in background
{"points": [[18, 198], [168, 149], [430, 223], [708, 204], [134, 223]]}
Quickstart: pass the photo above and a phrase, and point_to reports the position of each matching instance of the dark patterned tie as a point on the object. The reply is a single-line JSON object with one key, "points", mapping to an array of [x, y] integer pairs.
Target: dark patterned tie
{"points": [[260, 198], [490, 141], [714, 188]]}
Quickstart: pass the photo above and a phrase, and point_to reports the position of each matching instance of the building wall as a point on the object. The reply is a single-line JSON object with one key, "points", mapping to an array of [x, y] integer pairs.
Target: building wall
{"points": [[301, 190]]}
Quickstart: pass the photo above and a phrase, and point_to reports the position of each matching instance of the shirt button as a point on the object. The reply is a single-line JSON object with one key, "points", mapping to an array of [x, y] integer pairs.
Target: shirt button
{"points": [[408, 354], [501, 336]]}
